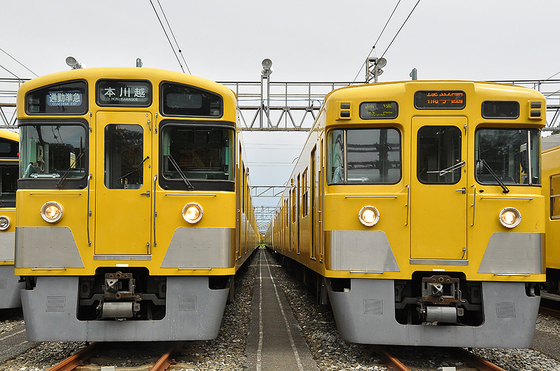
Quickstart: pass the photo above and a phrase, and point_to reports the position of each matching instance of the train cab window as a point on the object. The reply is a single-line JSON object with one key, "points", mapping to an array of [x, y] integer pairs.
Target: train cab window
{"points": [[9, 148], [9, 175], [507, 156], [202, 155], [439, 155], [53, 154], [364, 156], [124, 156], [184, 100]]}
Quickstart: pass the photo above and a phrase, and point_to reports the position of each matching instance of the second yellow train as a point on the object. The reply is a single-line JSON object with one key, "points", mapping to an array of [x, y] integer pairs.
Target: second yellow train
{"points": [[417, 208]]}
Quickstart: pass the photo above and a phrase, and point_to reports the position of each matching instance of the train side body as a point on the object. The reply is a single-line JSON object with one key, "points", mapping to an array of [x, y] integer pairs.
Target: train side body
{"points": [[392, 204], [9, 285], [551, 186]]}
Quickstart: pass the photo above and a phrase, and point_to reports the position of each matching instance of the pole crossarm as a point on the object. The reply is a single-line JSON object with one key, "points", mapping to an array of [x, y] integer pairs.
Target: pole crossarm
{"points": [[267, 191]]}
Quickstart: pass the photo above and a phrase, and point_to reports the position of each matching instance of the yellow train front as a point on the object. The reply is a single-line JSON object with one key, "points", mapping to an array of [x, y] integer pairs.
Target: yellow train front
{"points": [[135, 209], [419, 206], [9, 285]]}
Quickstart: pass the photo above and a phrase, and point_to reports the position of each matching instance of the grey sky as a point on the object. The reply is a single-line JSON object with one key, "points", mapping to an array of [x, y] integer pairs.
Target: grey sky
{"points": [[226, 40]]}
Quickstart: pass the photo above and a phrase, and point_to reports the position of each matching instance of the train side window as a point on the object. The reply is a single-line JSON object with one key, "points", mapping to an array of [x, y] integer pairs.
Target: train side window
{"points": [[439, 154], [364, 156], [555, 196]]}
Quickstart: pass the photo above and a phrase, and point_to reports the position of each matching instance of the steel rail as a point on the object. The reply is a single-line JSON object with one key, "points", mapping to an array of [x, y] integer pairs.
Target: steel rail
{"points": [[389, 360], [75, 360], [167, 359], [474, 360]]}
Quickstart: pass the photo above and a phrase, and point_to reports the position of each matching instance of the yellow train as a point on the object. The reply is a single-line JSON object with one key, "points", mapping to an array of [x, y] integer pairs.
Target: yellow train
{"points": [[136, 211], [9, 170], [551, 186], [417, 208]]}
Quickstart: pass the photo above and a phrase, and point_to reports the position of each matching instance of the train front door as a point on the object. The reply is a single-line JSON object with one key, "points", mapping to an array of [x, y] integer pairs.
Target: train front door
{"points": [[123, 186], [438, 191]]}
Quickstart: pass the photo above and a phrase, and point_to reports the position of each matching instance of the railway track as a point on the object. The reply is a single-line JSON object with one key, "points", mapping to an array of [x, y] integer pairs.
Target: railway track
{"points": [[79, 359], [550, 304], [459, 355]]}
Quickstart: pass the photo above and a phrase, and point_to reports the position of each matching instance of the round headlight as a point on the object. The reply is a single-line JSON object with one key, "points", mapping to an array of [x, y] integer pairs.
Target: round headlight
{"points": [[4, 223], [369, 216], [510, 217], [51, 212], [192, 213]]}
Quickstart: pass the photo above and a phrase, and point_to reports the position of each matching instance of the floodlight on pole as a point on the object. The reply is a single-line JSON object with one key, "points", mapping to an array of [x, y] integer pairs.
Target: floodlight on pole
{"points": [[265, 75], [73, 62], [374, 68], [267, 68]]}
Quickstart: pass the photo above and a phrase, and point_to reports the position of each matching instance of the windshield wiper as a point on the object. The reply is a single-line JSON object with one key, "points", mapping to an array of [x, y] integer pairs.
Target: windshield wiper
{"points": [[190, 187], [65, 175], [452, 168], [489, 169], [138, 167]]}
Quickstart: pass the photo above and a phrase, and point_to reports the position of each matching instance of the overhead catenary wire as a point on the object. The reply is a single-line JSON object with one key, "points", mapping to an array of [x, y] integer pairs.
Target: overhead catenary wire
{"points": [[382, 31], [376, 41], [174, 38], [167, 36], [400, 29], [21, 64]]}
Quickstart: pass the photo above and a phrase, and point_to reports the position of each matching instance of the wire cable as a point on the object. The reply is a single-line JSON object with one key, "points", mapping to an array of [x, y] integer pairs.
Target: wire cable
{"points": [[10, 72], [21, 64], [174, 39], [167, 36], [376, 41], [400, 29]]}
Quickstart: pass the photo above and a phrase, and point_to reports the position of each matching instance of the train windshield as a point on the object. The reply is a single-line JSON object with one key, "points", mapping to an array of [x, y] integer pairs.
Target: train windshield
{"points": [[53, 151], [197, 153], [9, 174], [364, 156], [507, 156]]}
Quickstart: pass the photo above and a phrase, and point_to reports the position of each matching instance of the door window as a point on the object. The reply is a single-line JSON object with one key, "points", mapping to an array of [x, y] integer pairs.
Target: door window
{"points": [[439, 154], [124, 156]]}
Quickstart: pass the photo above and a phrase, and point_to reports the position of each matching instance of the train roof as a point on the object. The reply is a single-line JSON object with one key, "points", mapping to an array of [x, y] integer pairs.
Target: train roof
{"points": [[550, 142], [394, 87], [128, 73]]}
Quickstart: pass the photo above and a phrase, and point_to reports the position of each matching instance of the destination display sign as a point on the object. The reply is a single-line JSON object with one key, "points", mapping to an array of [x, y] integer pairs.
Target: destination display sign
{"points": [[126, 93], [379, 110], [440, 99], [67, 98]]}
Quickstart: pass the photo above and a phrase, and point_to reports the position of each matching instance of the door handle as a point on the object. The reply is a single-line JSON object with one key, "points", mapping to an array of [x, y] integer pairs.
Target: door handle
{"points": [[462, 190], [147, 194]]}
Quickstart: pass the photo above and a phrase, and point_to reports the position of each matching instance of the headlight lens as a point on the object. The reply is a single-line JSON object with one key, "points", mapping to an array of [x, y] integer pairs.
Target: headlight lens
{"points": [[510, 217], [192, 213], [51, 212], [4, 223], [369, 216]]}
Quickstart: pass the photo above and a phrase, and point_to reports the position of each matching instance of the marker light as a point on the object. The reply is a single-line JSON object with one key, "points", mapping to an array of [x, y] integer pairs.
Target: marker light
{"points": [[51, 212], [369, 216], [4, 223], [510, 217], [192, 213]]}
